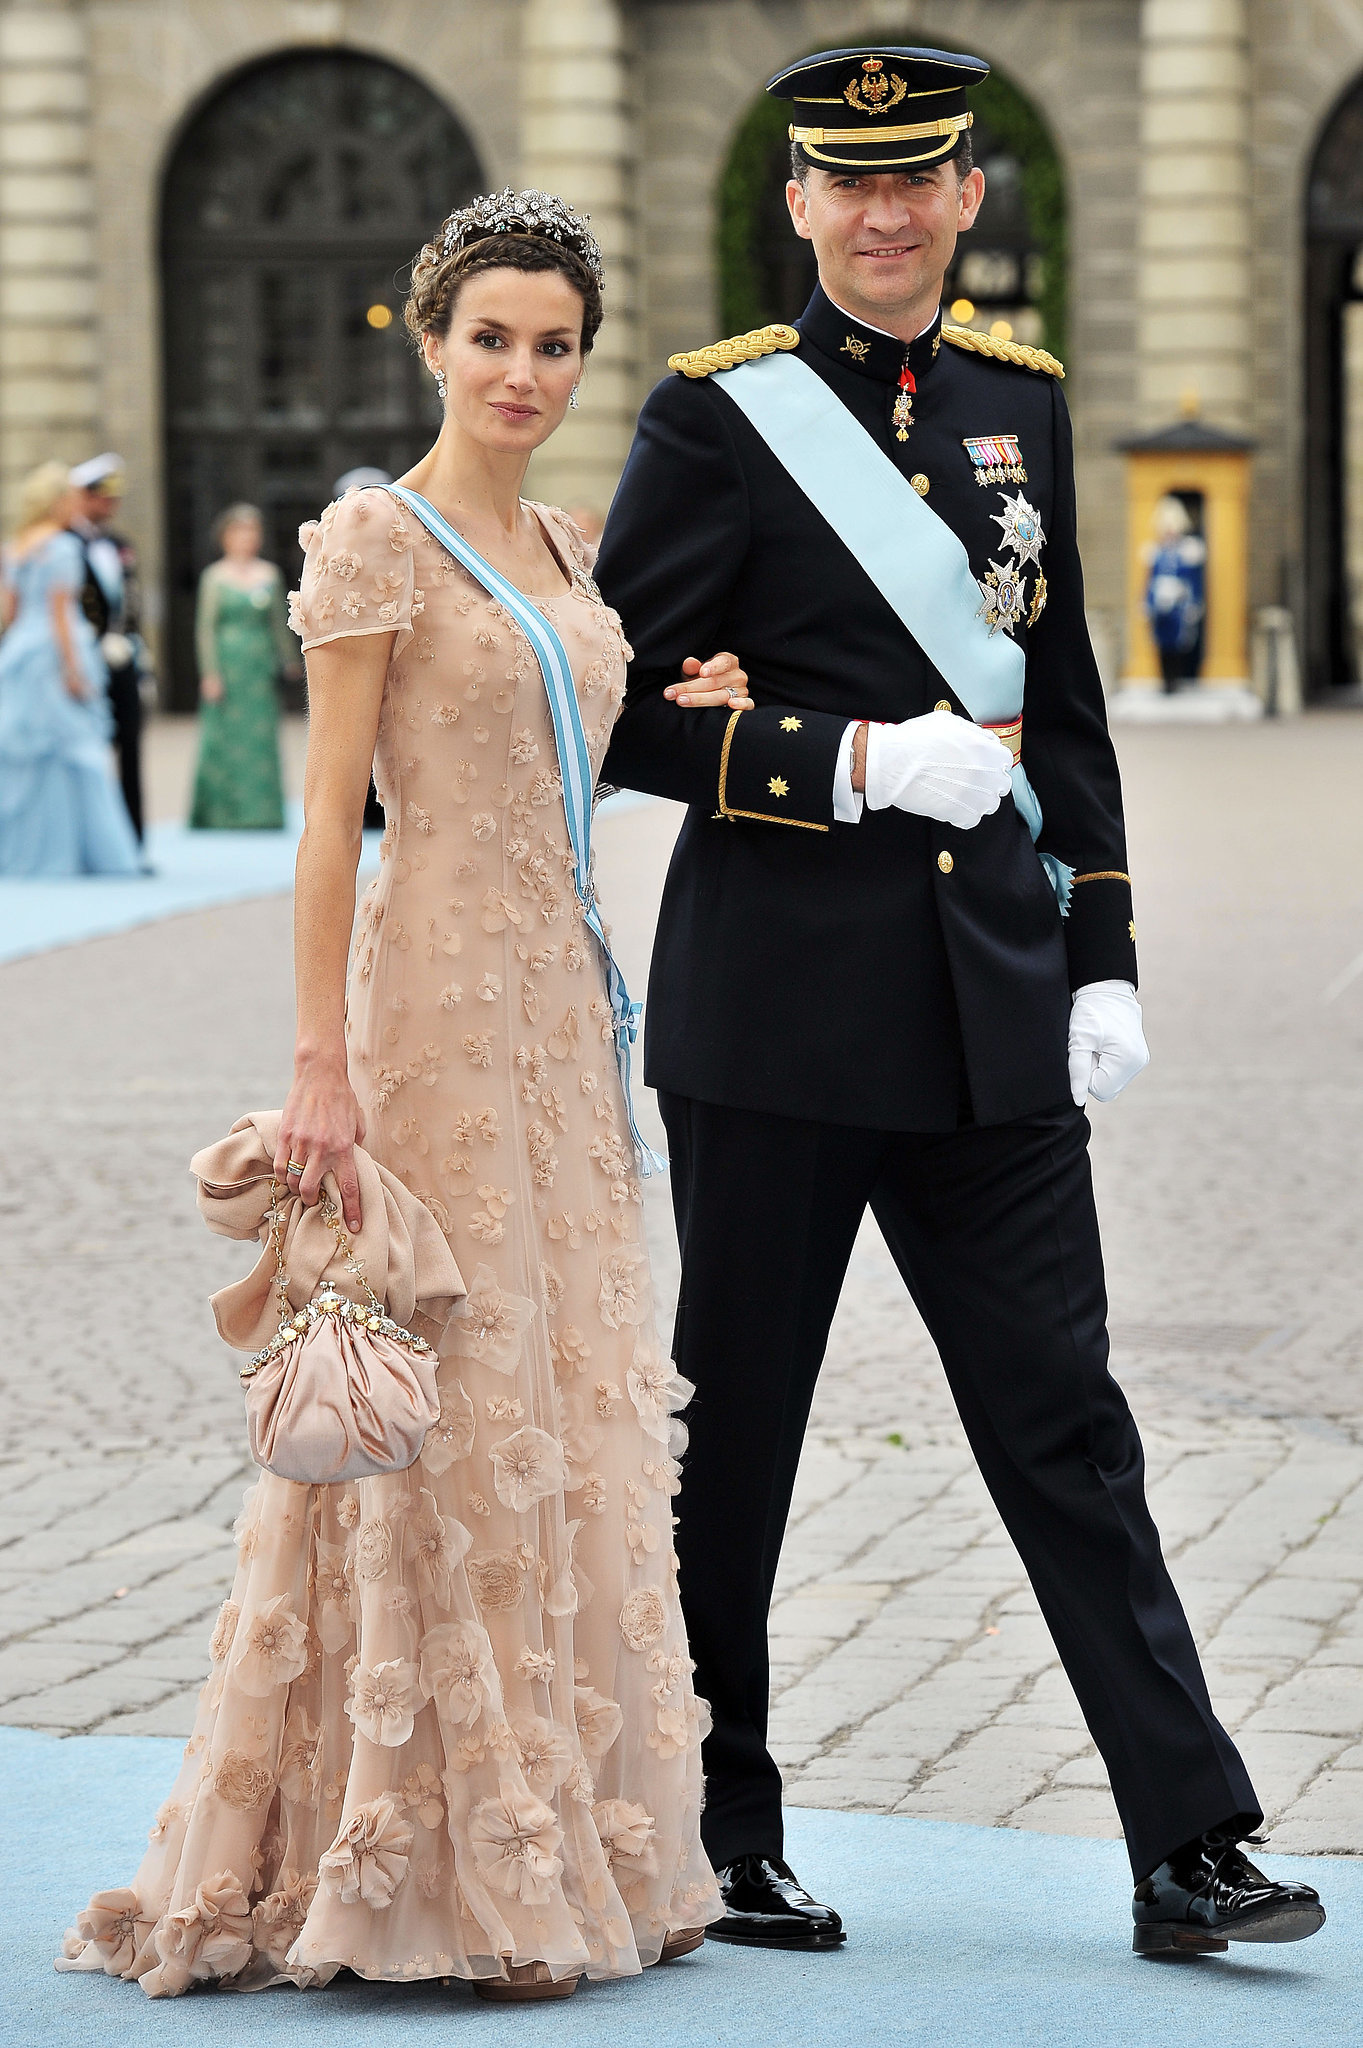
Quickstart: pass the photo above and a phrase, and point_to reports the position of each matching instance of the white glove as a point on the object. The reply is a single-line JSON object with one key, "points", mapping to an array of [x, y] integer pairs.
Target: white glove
{"points": [[940, 766], [1107, 1043]]}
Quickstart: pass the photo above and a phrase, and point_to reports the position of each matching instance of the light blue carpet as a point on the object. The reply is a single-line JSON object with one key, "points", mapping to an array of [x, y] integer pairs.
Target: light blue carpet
{"points": [[973, 1937], [193, 871]]}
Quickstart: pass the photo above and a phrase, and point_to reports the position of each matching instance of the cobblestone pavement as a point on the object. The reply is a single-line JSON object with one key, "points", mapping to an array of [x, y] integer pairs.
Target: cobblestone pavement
{"points": [[913, 1673]]}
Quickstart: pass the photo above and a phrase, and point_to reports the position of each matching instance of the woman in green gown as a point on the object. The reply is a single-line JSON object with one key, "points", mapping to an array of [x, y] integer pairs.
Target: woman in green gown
{"points": [[243, 643]]}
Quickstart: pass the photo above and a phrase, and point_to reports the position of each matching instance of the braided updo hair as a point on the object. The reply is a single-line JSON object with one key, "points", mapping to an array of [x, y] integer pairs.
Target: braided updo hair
{"points": [[507, 231]]}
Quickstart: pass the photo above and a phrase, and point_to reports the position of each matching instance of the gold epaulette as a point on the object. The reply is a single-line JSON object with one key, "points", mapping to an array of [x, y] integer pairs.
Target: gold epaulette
{"points": [[1004, 351], [739, 348]]}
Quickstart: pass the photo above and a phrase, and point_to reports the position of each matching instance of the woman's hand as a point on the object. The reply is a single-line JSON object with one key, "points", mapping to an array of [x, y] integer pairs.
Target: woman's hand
{"points": [[720, 680], [318, 1132], [76, 685], [210, 689]]}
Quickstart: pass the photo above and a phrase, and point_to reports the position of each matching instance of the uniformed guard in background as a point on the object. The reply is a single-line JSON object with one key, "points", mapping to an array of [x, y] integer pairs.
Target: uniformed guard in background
{"points": [[111, 600], [895, 955]]}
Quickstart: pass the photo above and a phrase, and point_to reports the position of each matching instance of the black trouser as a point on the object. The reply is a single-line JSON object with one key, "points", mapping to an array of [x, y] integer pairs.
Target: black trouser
{"points": [[995, 1232], [125, 702]]}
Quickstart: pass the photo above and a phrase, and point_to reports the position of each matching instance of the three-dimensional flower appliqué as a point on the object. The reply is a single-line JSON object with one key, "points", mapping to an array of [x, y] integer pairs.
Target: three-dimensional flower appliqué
{"points": [[489, 1324], [369, 1859], [273, 1651], [457, 1671], [527, 1467], [383, 1700], [515, 1841]]}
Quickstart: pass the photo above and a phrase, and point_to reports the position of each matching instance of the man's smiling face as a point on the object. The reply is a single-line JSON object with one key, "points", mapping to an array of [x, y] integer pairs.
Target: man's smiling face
{"points": [[884, 239]]}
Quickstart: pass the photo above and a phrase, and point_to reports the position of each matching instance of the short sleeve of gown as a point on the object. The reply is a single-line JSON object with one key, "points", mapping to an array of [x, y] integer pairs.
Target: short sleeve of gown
{"points": [[64, 567], [358, 572]]}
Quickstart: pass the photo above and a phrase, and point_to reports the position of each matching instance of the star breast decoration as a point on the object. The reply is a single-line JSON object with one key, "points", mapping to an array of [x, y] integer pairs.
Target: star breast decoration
{"points": [[1003, 592], [1021, 524]]}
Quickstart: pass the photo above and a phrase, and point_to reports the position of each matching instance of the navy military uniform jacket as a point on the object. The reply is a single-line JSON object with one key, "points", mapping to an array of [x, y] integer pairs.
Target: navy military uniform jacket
{"points": [[896, 974]]}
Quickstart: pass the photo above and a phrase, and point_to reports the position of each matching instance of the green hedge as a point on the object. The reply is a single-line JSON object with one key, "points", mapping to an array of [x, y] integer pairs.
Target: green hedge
{"points": [[758, 154]]}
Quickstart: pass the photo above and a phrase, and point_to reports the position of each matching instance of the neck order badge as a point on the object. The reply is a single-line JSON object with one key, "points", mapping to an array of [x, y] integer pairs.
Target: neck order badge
{"points": [[575, 768]]}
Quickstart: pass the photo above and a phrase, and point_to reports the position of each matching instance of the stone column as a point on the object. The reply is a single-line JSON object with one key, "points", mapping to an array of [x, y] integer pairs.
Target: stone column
{"points": [[576, 141], [48, 389], [1193, 287], [1193, 291]]}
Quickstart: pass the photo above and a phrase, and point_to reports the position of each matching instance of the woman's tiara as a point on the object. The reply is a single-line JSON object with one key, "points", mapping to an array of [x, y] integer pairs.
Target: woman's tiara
{"points": [[523, 213]]}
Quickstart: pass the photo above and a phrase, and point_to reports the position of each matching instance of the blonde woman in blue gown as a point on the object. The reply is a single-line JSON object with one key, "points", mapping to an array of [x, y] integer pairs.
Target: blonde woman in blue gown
{"points": [[61, 813]]}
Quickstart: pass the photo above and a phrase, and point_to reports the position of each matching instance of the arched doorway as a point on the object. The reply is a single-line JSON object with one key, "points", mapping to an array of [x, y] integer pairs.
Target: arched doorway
{"points": [[1334, 403], [292, 205], [1010, 268]]}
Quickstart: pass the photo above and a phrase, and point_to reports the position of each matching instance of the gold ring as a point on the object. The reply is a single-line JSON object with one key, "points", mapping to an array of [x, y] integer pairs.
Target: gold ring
{"points": [[294, 1166]]}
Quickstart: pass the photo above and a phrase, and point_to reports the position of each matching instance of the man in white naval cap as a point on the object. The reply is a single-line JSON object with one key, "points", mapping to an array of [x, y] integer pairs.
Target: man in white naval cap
{"points": [[111, 601]]}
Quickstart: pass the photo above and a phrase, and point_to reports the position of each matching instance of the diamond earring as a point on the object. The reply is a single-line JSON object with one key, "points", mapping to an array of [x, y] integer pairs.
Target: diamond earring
{"points": [[572, 399], [442, 386]]}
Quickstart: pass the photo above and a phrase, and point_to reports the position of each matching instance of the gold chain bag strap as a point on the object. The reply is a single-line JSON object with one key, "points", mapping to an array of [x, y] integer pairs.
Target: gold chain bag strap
{"points": [[341, 1391]]}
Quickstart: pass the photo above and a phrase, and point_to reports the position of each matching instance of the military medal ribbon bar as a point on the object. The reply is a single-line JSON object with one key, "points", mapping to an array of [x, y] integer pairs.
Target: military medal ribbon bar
{"points": [[997, 458]]}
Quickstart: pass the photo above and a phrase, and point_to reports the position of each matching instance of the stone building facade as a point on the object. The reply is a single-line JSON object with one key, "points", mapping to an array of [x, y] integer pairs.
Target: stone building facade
{"points": [[1187, 130]]}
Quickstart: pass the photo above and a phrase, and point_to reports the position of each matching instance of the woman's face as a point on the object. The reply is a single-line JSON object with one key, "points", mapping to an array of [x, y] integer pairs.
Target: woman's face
{"points": [[241, 539], [511, 357]]}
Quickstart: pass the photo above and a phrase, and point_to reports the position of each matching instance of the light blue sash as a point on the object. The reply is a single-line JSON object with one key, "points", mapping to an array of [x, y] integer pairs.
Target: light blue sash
{"points": [[914, 559], [575, 769]]}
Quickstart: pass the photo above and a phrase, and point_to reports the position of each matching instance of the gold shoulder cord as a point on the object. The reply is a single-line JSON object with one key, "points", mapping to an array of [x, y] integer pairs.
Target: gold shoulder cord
{"points": [[1106, 875], [739, 348], [1004, 351], [764, 817]]}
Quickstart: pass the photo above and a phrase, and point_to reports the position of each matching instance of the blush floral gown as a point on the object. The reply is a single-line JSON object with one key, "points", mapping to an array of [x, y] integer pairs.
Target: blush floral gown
{"points": [[450, 1719]]}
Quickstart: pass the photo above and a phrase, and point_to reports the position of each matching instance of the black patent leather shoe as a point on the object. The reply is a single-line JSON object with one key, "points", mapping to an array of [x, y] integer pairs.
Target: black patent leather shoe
{"points": [[1208, 1894], [766, 1906]]}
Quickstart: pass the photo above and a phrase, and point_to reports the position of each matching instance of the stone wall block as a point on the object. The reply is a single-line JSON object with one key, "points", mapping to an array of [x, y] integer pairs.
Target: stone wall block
{"points": [[1221, 383], [1170, 22], [57, 401], [1198, 279], [1218, 327], [1220, 225], [46, 35], [50, 140], [1194, 175], [564, 28], [30, 247], [35, 296], [566, 131], [1193, 69], [46, 195], [1198, 120], [46, 348], [46, 89], [591, 77]]}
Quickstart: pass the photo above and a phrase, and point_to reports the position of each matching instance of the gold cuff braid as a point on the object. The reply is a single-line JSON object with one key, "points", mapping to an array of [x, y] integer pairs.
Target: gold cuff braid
{"points": [[763, 817]]}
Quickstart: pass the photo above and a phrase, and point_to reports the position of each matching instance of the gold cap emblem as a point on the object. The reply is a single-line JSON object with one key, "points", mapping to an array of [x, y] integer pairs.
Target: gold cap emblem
{"points": [[873, 92]]}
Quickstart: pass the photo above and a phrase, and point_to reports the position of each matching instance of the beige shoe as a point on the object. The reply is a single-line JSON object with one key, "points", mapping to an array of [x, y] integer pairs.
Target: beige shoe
{"points": [[683, 1943], [523, 1982]]}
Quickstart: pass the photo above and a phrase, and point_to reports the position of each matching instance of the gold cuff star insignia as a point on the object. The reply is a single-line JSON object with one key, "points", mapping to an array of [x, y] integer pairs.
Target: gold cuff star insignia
{"points": [[791, 724], [779, 786]]}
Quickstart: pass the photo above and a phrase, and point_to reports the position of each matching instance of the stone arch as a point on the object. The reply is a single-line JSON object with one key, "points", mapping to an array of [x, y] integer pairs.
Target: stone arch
{"points": [[291, 203], [1013, 266], [1333, 481]]}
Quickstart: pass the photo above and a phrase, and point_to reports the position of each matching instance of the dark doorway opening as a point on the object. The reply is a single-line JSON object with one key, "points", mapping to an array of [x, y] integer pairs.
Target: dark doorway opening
{"points": [[1333, 480], [292, 207]]}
